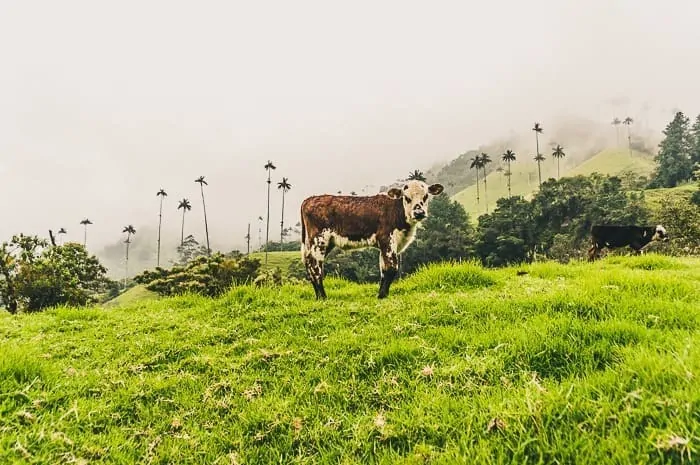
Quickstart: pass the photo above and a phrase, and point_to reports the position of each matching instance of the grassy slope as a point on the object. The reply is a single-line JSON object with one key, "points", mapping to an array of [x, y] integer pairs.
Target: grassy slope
{"points": [[524, 180], [579, 363], [277, 259], [656, 198], [136, 294]]}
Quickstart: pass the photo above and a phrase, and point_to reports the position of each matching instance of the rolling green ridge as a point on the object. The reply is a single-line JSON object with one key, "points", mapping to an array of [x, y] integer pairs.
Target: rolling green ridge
{"points": [[524, 180], [544, 363]]}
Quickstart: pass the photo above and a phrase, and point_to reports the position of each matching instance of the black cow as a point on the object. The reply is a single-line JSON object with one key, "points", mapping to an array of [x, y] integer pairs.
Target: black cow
{"points": [[636, 237]]}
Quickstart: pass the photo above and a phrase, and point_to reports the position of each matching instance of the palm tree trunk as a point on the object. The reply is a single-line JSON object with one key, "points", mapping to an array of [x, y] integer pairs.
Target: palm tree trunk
{"points": [[182, 233], [539, 171], [85, 238], [486, 199], [282, 222], [160, 221], [477, 186], [267, 218], [206, 225], [629, 140], [617, 130], [126, 266], [558, 176], [510, 175]]}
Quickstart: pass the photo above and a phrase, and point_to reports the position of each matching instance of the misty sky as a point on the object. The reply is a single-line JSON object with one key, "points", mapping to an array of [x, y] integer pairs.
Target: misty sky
{"points": [[103, 103]]}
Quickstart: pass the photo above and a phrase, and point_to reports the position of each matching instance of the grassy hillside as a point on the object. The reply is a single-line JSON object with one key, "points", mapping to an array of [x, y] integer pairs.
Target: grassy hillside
{"points": [[584, 363], [656, 198], [615, 162], [277, 259], [525, 180], [132, 296]]}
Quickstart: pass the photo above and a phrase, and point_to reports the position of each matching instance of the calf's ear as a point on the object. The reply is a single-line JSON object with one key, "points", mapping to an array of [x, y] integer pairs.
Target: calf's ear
{"points": [[394, 193], [436, 189]]}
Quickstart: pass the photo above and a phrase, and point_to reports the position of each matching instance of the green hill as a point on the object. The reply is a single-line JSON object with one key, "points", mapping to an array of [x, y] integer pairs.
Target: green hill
{"points": [[524, 180], [580, 363], [656, 198], [132, 296], [615, 162], [277, 259]]}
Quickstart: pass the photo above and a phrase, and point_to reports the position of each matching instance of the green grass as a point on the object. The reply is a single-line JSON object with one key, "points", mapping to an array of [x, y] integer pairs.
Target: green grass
{"points": [[579, 363], [524, 180], [277, 259]]}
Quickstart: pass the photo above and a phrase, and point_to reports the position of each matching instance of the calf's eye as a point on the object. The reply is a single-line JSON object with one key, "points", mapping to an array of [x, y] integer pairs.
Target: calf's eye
{"points": [[407, 199]]}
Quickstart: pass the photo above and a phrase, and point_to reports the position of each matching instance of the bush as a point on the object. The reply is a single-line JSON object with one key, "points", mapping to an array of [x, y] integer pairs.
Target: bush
{"points": [[210, 276], [695, 198], [36, 276]]}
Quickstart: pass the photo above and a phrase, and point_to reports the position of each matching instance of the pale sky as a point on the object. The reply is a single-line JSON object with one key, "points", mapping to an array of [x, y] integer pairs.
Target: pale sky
{"points": [[103, 103]]}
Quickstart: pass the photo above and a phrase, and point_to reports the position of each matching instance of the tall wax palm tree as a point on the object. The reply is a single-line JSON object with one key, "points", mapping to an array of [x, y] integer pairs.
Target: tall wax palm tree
{"points": [[284, 186], [502, 172], [200, 180], [260, 220], [628, 122], [539, 159], [269, 166], [616, 122], [186, 206], [538, 130], [416, 175], [508, 157], [162, 194], [85, 223], [129, 230], [62, 231], [475, 165], [485, 160], [558, 153]]}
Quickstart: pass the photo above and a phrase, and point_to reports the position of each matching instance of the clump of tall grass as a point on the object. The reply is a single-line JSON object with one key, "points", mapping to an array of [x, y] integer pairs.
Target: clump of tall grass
{"points": [[449, 277]]}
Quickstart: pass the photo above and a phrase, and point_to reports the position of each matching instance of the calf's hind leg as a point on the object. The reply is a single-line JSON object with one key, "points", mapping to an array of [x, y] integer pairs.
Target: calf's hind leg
{"points": [[313, 261]]}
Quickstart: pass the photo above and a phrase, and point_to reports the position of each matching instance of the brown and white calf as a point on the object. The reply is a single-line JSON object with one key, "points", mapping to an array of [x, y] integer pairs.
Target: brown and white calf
{"points": [[386, 221]]}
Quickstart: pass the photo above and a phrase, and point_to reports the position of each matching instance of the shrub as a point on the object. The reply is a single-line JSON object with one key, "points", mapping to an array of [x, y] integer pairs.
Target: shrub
{"points": [[210, 276]]}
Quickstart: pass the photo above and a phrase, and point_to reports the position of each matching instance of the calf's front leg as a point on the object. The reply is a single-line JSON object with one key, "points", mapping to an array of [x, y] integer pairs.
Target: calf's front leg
{"points": [[388, 267]]}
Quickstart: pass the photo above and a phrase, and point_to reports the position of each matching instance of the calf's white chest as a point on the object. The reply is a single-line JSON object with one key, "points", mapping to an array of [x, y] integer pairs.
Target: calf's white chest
{"points": [[400, 240]]}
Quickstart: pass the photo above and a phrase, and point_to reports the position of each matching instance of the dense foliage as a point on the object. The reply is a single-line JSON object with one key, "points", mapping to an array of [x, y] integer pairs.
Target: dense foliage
{"points": [[556, 222], [206, 275], [676, 152], [281, 247], [34, 276], [445, 235]]}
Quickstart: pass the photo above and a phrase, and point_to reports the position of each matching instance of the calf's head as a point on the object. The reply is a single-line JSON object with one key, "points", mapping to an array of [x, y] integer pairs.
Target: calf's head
{"points": [[415, 196], [660, 234]]}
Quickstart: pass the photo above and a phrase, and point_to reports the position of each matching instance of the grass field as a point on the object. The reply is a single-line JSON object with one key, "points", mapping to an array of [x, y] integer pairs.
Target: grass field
{"points": [[524, 180], [580, 363]]}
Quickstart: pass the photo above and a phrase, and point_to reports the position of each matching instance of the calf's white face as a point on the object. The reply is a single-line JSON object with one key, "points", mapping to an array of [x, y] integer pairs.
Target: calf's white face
{"points": [[415, 196]]}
